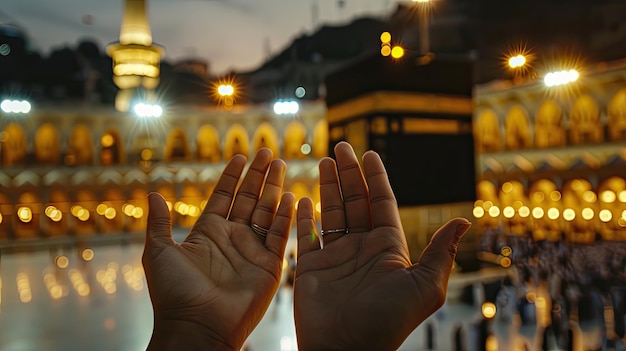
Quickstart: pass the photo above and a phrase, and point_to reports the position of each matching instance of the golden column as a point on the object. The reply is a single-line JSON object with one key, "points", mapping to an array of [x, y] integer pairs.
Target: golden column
{"points": [[136, 60]]}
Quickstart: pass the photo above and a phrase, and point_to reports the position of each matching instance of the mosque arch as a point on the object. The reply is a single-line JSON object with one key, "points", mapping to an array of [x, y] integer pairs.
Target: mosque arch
{"points": [[487, 132], [28, 211], [145, 149], [265, 137], [112, 217], [295, 136], [514, 203], [12, 145], [80, 147], [236, 142], [176, 147], [320, 139], [85, 221], [546, 209], [549, 131], [47, 144], [136, 210], [487, 195], [208, 144], [617, 116], [56, 214], [584, 121], [611, 208], [517, 129], [111, 148], [6, 217]]}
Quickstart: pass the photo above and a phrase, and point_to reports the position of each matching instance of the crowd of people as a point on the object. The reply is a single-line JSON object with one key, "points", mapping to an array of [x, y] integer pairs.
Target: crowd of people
{"points": [[582, 281]]}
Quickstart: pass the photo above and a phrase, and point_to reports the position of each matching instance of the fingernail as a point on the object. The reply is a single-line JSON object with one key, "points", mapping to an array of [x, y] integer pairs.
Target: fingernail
{"points": [[461, 229]]}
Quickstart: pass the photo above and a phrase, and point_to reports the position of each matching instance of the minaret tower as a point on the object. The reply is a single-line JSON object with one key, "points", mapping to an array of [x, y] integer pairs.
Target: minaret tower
{"points": [[136, 60]]}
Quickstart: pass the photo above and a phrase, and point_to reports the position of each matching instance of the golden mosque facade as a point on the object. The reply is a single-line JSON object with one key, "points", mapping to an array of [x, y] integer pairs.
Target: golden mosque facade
{"points": [[547, 163]]}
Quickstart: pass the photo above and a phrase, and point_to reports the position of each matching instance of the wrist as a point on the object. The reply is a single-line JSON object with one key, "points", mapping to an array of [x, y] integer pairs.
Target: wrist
{"points": [[184, 335]]}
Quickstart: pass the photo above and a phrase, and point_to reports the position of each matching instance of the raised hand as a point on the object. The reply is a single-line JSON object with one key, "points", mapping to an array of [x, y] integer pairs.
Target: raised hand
{"points": [[210, 291], [361, 291]]}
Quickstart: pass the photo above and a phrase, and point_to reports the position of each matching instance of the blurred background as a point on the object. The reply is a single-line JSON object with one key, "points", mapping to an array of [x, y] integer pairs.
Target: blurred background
{"points": [[510, 114]]}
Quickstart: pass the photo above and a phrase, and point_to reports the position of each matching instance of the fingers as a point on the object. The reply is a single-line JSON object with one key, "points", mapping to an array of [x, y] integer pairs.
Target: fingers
{"points": [[439, 255], [222, 197], [265, 208], [278, 234], [354, 189], [382, 199], [159, 229], [248, 194], [333, 213], [307, 240]]}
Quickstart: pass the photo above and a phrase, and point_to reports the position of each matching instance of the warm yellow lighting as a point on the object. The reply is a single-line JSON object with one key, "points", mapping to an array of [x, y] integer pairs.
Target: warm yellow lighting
{"points": [[397, 52], [225, 90], [101, 209], [538, 196], [110, 213], [478, 203], [531, 296], [0, 217], [62, 261], [146, 154], [553, 213], [508, 212], [479, 212], [82, 214], [23, 287], [524, 211], [505, 262], [590, 196], [605, 216], [385, 37], [488, 309], [507, 187], [517, 61], [555, 196], [494, 211], [422, 1], [553, 79], [608, 196], [318, 207], [107, 140], [138, 212], [587, 213], [25, 214], [136, 69], [624, 215], [622, 196], [53, 213], [385, 50], [538, 212], [569, 214], [128, 209], [506, 251], [487, 204], [87, 254]]}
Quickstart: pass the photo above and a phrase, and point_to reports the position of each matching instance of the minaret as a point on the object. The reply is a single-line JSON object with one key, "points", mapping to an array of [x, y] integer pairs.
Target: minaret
{"points": [[136, 60]]}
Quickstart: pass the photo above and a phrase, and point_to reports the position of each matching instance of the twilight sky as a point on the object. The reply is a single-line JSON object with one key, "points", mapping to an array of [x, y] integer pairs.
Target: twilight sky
{"points": [[230, 34]]}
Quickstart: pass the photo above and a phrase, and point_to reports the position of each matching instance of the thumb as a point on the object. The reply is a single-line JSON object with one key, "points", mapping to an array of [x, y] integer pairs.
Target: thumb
{"points": [[159, 231], [440, 253]]}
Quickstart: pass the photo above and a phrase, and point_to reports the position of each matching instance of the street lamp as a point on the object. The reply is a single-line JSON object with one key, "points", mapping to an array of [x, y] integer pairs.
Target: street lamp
{"points": [[558, 78], [517, 61], [15, 106], [423, 7]]}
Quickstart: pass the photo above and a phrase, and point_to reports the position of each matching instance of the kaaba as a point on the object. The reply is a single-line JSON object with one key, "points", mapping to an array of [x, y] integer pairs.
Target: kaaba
{"points": [[416, 112]]}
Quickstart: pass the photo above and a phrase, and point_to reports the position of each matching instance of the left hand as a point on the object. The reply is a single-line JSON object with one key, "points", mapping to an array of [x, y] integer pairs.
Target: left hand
{"points": [[210, 291]]}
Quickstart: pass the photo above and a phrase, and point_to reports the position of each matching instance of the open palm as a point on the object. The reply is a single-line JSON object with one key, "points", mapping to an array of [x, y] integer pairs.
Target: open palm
{"points": [[211, 290], [361, 291]]}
